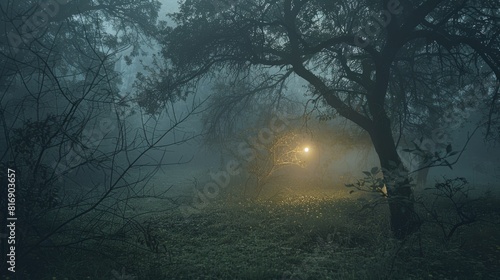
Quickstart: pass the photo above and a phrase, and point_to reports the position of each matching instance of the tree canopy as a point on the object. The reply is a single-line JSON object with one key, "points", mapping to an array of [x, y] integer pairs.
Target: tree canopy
{"points": [[388, 66]]}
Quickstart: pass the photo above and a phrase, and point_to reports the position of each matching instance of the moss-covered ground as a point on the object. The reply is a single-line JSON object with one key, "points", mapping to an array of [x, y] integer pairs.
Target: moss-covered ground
{"points": [[297, 236]]}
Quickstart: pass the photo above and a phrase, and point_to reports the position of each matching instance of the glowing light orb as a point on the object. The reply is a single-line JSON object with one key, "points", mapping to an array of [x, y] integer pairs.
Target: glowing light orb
{"points": [[306, 149]]}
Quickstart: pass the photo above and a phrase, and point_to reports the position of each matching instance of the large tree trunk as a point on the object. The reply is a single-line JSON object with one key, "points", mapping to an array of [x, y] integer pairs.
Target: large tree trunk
{"points": [[404, 220]]}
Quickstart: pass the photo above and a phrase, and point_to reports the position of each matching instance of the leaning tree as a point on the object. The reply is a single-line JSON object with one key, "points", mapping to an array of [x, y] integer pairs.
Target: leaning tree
{"points": [[373, 62]]}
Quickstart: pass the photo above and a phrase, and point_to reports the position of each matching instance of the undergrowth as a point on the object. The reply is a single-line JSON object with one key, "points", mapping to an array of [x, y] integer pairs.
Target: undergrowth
{"points": [[290, 237]]}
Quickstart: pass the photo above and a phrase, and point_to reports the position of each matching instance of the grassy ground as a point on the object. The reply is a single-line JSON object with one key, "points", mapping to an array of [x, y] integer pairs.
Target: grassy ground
{"points": [[292, 236]]}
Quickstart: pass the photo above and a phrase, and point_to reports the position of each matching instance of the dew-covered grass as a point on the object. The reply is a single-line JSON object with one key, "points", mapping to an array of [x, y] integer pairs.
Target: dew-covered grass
{"points": [[316, 235]]}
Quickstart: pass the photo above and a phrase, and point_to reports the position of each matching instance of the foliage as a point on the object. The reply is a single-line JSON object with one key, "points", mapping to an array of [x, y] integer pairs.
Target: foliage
{"points": [[148, 236], [299, 236], [453, 194], [405, 68], [122, 275], [425, 71], [372, 182], [65, 132], [438, 158]]}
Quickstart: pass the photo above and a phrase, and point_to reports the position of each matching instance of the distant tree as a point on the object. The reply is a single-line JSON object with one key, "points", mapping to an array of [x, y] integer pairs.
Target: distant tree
{"points": [[373, 62]]}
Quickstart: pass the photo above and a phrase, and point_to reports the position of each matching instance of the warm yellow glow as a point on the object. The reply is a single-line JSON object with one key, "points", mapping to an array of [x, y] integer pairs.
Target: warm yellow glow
{"points": [[306, 149]]}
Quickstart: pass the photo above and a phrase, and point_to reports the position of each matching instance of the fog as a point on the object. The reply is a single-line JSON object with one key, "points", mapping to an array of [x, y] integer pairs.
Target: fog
{"points": [[249, 139]]}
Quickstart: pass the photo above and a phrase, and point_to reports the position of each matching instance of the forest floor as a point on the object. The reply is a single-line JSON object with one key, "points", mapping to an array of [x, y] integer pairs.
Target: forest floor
{"points": [[308, 235]]}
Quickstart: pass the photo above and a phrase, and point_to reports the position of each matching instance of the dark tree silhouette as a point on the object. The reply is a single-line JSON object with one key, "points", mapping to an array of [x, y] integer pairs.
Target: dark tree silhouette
{"points": [[70, 139], [373, 62]]}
